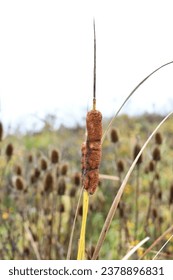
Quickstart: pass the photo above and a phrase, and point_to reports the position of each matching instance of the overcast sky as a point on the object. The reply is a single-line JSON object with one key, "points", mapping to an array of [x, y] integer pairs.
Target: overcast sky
{"points": [[46, 57]]}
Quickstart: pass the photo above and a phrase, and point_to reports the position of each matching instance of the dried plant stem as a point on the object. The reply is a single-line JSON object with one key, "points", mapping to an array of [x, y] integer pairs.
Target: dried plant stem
{"points": [[120, 192], [163, 247], [31, 239], [170, 229], [134, 249], [136, 202]]}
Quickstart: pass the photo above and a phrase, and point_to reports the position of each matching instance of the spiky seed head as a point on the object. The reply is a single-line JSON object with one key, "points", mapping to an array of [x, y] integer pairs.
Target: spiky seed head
{"points": [[114, 136], [30, 158], [154, 213], [151, 166], [9, 151], [1, 131], [26, 251], [158, 138], [80, 212], [136, 151], [48, 183], [171, 195], [64, 169], [19, 183], [156, 154], [36, 172], [61, 186], [72, 192], [18, 170], [120, 166], [43, 164], [61, 208], [76, 179], [54, 156], [159, 195]]}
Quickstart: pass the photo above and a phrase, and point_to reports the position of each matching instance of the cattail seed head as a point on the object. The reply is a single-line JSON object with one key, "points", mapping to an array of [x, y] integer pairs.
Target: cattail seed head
{"points": [[1, 131], [114, 136], [120, 166], [61, 186], [48, 183], [76, 179], [136, 150], [54, 156], [64, 169], [156, 154], [43, 164], [9, 151], [158, 138], [171, 195]]}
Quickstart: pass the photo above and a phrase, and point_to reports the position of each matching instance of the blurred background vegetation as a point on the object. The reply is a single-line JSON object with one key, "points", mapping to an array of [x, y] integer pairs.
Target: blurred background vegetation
{"points": [[40, 180]]}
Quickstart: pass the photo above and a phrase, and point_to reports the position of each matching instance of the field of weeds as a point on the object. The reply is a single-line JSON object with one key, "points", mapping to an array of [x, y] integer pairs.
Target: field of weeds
{"points": [[40, 183]]}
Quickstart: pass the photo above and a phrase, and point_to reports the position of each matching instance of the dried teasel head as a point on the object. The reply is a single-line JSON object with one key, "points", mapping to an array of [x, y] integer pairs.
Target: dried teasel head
{"points": [[18, 170], [48, 183], [80, 211], [151, 166], [72, 192], [154, 213], [43, 164], [77, 179], [30, 158], [18, 183], [1, 131], [61, 186], [36, 172], [171, 195], [9, 151], [64, 169], [158, 138], [54, 156], [61, 208], [120, 166], [156, 154], [136, 151], [114, 135]]}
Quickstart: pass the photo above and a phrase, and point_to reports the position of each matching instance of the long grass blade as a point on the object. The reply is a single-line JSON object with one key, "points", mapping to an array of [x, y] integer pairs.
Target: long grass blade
{"points": [[135, 248]]}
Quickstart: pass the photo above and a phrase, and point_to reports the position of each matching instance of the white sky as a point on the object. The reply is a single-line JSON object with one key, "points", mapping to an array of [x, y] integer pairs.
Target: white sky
{"points": [[46, 57]]}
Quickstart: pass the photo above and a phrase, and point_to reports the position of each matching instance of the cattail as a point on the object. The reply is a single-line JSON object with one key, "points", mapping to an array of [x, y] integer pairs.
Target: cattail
{"points": [[1, 131], [136, 151], [61, 186], [64, 169], [19, 183], [76, 179], [120, 166], [18, 170], [54, 156], [158, 138], [48, 183], [156, 154], [151, 166], [43, 164], [91, 151], [9, 151], [171, 195], [114, 136]]}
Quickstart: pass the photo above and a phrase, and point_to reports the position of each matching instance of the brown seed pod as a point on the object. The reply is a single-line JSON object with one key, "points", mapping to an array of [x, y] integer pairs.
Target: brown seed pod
{"points": [[120, 166], [114, 136], [91, 151], [9, 151], [136, 150], [64, 169], [19, 183], [30, 158], [18, 170], [171, 195], [158, 138], [54, 156], [61, 186], [151, 166], [48, 183], [43, 164], [76, 179], [1, 131], [156, 154]]}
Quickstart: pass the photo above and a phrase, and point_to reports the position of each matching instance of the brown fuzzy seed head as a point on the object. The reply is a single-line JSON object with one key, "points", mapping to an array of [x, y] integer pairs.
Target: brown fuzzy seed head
{"points": [[43, 164], [156, 154], [94, 125], [72, 192], [120, 166], [158, 138], [136, 150], [37, 173], [1, 131], [76, 179], [61, 186], [114, 136], [54, 156], [9, 150], [171, 195], [19, 184], [48, 184], [30, 158], [64, 169], [159, 195]]}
